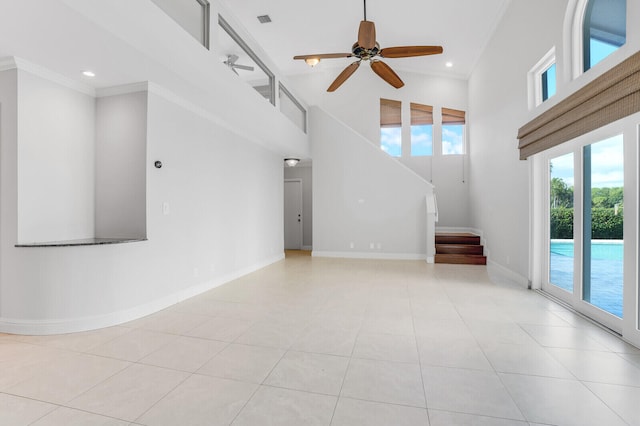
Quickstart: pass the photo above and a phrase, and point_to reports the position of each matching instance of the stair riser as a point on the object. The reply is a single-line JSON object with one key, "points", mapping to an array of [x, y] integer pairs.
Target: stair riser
{"points": [[460, 259], [459, 249]]}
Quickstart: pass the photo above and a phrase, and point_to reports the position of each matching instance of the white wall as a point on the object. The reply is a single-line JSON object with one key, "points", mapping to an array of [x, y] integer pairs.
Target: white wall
{"points": [[357, 103], [225, 195], [121, 164], [303, 172], [362, 196], [55, 161], [222, 176], [499, 181], [225, 219], [8, 170]]}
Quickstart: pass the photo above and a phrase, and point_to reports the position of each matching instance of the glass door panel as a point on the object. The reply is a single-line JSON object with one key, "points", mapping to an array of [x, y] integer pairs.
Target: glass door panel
{"points": [[561, 262], [603, 211]]}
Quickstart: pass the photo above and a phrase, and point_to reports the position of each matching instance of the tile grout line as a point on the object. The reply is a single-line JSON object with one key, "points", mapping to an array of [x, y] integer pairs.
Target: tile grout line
{"points": [[346, 371], [415, 340], [497, 375], [259, 385], [58, 406]]}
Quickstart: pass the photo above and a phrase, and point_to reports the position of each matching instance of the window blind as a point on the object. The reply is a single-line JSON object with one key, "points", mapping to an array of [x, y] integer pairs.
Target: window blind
{"points": [[421, 114], [610, 97], [452, 116], [390, 113]]}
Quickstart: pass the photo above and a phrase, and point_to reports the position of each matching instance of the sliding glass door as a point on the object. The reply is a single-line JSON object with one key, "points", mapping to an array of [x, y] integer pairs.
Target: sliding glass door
{"points": [[603, 213], [585, 244], [561, 252]]}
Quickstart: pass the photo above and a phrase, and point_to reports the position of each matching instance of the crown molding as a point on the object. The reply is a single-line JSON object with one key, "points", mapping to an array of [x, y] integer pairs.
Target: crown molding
{"points": [[124, 89], [7, 63], [45, 73]]}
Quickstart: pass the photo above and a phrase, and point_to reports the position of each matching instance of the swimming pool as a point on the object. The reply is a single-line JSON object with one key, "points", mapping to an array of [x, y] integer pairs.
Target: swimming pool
{"points": [[606, 271]]}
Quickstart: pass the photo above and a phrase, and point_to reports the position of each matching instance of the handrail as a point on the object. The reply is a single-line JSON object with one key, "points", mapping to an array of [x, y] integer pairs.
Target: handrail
{"points": [[432, 218], [432, 205]]}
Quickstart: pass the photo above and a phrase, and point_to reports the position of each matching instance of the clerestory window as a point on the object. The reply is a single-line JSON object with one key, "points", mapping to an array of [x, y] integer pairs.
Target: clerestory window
{"points": [[391, 127], [604, 30], [421, 130], [453, 126]]}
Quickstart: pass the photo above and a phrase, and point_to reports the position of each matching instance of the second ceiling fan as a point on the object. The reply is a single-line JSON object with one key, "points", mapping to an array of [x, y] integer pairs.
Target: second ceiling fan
{"points": [[367, 49]]}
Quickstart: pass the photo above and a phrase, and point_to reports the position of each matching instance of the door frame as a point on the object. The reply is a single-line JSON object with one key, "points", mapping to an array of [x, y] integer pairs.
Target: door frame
{"points": [[297, 180], [629, 128]]}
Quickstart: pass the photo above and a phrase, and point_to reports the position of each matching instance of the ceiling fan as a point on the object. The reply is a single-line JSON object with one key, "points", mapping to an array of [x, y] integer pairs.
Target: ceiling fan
{"points": [[367, 49], [231, 63]]}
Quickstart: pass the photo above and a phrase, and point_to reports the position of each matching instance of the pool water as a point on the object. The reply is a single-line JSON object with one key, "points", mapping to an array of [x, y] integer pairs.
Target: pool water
{"points": [[606, 272]]}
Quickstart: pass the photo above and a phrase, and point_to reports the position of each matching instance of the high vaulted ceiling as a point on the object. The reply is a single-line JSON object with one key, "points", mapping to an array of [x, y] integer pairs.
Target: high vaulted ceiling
{"points": [[462, 27], [68, 36]]}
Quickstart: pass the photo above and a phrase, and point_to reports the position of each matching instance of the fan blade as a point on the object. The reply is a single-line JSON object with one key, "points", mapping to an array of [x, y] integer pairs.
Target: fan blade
{"points": [[344, 75], [408, 51], [243, 67], [367, 35], [386, 73], [324, 56]]}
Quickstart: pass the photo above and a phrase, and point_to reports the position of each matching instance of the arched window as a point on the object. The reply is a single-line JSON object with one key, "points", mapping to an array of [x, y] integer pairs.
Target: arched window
{"points": [[604, 30]]}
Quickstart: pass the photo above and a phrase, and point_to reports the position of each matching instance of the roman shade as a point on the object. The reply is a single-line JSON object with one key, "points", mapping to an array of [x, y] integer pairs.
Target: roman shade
{"points": [[610, 97], [421, 115], [390, 113], [452, 116]]}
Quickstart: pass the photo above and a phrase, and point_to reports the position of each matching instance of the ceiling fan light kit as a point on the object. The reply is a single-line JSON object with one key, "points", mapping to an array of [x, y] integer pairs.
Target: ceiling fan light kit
{"points": [[312, 62], [368, 49]]}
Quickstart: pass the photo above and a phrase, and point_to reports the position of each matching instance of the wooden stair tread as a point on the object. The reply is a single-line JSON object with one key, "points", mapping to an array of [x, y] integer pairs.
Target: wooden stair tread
{"points": [[457, 238], [459, 248]]}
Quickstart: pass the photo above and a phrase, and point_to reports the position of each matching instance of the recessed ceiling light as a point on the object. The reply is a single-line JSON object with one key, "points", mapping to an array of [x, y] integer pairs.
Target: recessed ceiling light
{"points": [[448, 64], [88, 73], [264, 19]]}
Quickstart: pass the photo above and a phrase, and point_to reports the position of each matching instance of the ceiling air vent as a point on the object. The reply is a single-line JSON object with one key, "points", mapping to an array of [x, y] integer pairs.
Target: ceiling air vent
{"points": [[264, 19]]}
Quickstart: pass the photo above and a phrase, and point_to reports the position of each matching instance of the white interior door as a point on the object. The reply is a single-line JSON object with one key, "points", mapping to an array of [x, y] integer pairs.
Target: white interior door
{"points": [[293, 214]]}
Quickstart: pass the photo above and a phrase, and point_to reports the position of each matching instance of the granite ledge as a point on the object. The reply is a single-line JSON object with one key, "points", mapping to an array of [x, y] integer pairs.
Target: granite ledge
{"points": [[82, 242]]}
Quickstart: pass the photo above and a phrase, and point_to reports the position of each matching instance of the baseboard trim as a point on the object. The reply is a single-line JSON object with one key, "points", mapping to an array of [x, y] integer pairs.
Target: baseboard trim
{"points": [[72, 325], [307, 248], [499, 272], [368, 255]]}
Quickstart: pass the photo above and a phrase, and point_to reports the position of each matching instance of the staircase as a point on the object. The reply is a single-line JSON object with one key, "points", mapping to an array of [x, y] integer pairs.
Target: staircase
{"points": [[459, 248]]}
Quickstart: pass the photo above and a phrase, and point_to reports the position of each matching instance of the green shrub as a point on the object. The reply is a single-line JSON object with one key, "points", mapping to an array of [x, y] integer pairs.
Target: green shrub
{"points": [[561, 224], [605, 224]]}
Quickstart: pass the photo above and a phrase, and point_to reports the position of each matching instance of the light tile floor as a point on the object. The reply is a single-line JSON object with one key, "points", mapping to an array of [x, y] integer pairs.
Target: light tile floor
{"points": [[311, 341]]}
